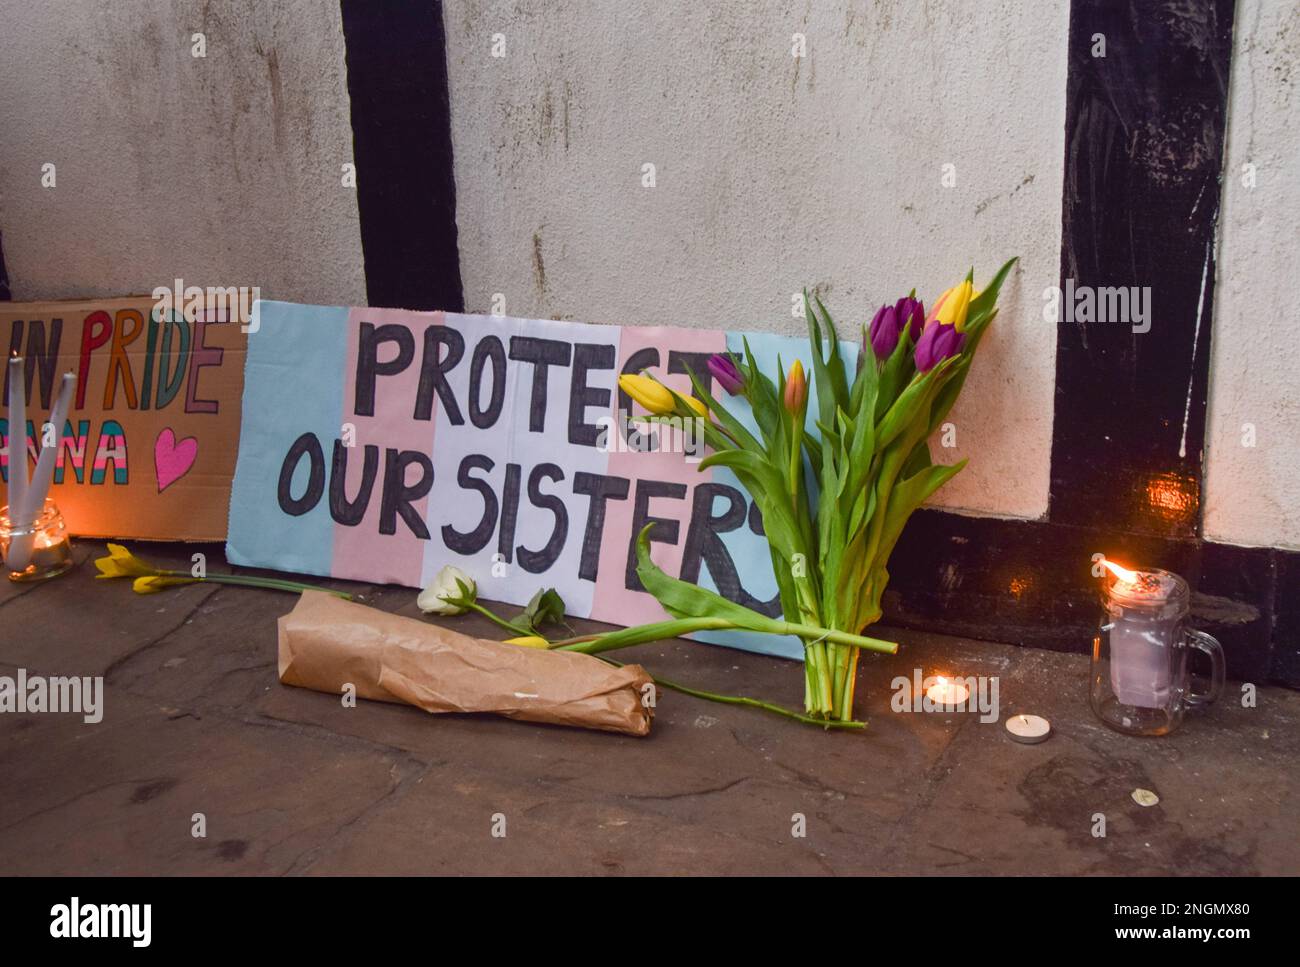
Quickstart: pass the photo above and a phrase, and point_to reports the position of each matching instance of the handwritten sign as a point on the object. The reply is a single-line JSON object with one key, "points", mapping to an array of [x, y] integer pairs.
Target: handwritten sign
{"points": [[150, 440], [381, 444]]}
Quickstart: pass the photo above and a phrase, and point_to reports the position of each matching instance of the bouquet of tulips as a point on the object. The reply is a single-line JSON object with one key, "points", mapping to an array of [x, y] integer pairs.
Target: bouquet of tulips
{"points": [[834, 496]]}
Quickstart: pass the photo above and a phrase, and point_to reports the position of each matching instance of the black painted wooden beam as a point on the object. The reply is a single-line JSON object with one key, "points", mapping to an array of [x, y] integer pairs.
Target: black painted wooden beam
{"points": [[4, 276], [401, 130], [1146, 103]]}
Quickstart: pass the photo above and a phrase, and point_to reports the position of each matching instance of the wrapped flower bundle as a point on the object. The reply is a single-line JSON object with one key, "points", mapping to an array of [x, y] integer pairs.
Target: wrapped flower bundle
{"points": [[834, 495]]}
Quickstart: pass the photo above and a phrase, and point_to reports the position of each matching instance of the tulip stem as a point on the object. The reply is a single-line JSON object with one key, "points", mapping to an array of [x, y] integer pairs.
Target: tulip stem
{"points": [[661, 630], [252, 581], [500, 622], [726, 699]]}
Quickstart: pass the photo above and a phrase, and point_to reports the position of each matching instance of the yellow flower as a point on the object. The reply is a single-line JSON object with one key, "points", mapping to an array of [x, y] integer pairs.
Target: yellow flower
{"points": [[796, 388], [954, 305], [528, 641], [656, 397], [653, 395], [153, 583], [121, 563], [697, 405]]}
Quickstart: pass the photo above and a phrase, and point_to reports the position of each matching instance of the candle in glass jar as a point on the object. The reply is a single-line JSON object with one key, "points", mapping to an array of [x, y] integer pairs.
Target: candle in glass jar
{"points": [[1140, 669]]}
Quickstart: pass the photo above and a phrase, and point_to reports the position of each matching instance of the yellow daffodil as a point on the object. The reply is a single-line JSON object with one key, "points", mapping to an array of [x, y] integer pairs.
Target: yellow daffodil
{"points": [[153, 583], [147, 579], [529, 641], [121, 563]]}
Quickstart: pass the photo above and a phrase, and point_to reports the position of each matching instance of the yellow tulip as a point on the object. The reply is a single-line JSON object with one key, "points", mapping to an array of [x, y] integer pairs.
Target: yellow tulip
{"points": [[529, 641], [653, 395], [954, 305], [796, 388], [697, 405], [121, 563]]}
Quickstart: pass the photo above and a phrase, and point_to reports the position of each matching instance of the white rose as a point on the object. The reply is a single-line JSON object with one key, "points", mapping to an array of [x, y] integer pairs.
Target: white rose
{"points": [[434, 598]]}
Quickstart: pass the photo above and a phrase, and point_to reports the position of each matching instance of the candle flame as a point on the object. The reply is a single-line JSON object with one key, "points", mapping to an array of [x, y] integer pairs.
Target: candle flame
{"points": [[1123, 573]]}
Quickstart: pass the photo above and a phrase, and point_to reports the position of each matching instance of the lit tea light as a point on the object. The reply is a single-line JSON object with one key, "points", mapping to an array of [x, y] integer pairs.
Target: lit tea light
{"points": [[946, 692], [1029, 729]]}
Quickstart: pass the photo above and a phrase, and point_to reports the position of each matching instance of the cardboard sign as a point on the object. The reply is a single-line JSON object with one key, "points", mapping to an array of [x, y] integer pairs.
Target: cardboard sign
{"points": [[150, 440], [381, 444]]}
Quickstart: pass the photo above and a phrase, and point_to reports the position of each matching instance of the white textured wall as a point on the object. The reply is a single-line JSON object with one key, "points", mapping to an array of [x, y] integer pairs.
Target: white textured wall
{"points": [[774, 173], [1252, 494], [223, 170]]}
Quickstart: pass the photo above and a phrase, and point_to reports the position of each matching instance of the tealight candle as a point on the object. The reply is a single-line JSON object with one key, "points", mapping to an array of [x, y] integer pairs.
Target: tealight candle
{"points": [[945, 692], [1029, 729]]}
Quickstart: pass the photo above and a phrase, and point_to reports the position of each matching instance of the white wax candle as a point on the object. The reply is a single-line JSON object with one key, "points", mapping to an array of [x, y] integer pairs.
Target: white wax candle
{"points": [[17, 442], [1141, 669], [19, 554], [44, 474], [1028, 729], [944, 692]]}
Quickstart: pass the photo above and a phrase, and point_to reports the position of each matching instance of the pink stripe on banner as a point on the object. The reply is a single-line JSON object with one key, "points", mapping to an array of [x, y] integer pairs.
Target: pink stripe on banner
{"points": [[613, 601], [362, 552], [103, 457]]}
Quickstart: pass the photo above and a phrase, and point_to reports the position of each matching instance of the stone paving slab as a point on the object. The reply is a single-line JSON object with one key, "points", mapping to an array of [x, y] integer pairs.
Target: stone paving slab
{"points": [[290, 781]]}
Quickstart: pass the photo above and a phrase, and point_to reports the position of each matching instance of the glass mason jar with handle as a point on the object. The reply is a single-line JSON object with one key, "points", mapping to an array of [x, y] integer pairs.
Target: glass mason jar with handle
{"points": [[1140, 680]]}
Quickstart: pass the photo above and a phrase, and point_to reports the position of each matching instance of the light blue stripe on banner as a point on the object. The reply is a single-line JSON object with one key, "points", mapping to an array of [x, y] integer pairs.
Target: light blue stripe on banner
{"points": [[288, 340], [748, 551]]}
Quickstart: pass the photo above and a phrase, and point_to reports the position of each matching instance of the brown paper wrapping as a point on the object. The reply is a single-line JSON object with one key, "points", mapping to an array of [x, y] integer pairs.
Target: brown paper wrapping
{"points": [[326, 643]]}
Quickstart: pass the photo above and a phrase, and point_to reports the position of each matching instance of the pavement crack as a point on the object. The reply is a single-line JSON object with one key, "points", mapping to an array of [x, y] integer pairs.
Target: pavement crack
{"points": [[121, 660], [414, 772], [806, 779], [52, 807], [14, 596], [313, 731], [935, 776], [689, 793]]}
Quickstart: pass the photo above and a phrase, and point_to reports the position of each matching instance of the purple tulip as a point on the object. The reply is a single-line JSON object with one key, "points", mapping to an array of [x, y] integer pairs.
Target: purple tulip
{"points": [[727, 374], [889, 323], [883, 333], [936, 344], [911, 312]]}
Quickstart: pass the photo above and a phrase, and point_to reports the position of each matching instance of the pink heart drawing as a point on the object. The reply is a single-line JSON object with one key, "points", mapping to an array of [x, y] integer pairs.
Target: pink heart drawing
{"points": [[173, 458]]}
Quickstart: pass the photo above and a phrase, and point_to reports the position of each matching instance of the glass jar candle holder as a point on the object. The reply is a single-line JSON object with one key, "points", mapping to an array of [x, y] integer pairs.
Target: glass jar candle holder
{"points": [[1140, 682], [38, 550]]}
